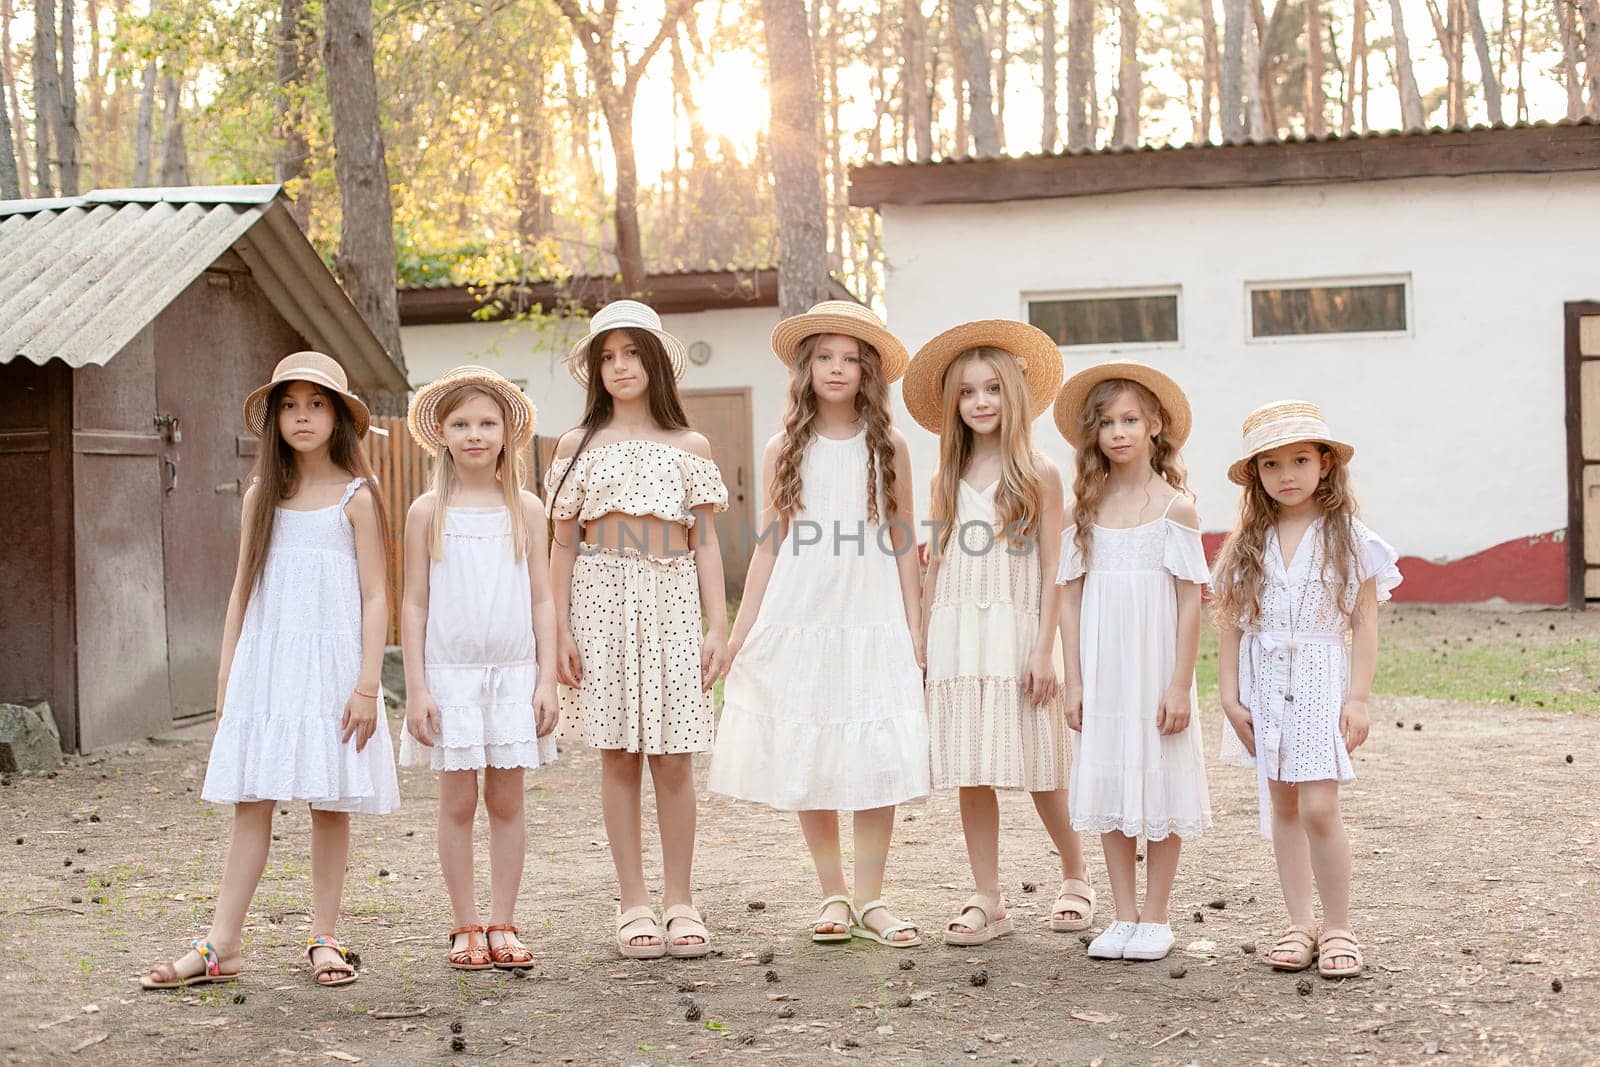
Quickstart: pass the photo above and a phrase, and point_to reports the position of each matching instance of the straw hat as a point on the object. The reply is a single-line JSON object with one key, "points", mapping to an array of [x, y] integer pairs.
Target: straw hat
{"points": [[621, 314], [1035, 352], [849, 319], [1075, 394], [313, 367], [1283, 422], [422, 417]]}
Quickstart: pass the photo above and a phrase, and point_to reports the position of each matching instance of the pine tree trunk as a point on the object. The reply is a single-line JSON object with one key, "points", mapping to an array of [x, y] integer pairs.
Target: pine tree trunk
{"points": [[1051, 125], [1565, 16], [975, 61], [292, 165], [802, 242], [1265, 32], [1232, 89], [1255, 118], [1521, 51], [835, 192], [67, 109], [145, 137], [1209, 84], [1358, 48], [10, 185], [174, 154], [1129, 87], [918, 80], [1002, 52], [1080, 74], [1480, 41], [366, 257], [1411, 116], [99, 151], [1591, 51], [8, 84], [46, 93], [1447, 28], [534, 215], [1316, 101]]}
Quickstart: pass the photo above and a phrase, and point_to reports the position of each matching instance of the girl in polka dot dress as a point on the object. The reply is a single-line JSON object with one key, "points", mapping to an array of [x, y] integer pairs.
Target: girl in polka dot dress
{"points": [[634, 560], [823, 708], [1299, 578]]}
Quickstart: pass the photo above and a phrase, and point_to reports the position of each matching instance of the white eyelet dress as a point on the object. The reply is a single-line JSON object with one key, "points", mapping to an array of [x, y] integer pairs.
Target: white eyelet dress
{"points": [[480, 660], [1126, 777], [1294, 671], [294, 670], [823, 708], [984, 624]]}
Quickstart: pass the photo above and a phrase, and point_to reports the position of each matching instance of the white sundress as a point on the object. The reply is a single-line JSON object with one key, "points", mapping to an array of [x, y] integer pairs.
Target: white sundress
{"points": [[823, 707], [1294, 671], [294, 670], [1127, 778], [479, 658]]}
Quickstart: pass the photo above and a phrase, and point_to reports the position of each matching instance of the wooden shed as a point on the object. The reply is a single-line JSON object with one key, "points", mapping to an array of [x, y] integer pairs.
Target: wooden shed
{"points": [[132, 324]]}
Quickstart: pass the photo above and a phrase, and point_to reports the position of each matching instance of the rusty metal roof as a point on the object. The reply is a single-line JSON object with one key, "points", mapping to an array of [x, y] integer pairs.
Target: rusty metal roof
{"points": [[80, 277]]}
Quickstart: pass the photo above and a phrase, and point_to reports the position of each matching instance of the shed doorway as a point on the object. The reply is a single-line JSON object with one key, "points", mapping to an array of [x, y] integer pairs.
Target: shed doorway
{"points": [[1583, 453]]}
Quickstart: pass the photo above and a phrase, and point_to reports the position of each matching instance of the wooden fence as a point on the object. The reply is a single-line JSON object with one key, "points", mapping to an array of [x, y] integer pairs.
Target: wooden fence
{"points": [[403, 470]]}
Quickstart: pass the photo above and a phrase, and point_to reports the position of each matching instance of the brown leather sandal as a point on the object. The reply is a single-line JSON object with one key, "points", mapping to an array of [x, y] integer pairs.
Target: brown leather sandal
{"points": [[342, 970], [508, 957], [475, 957]]}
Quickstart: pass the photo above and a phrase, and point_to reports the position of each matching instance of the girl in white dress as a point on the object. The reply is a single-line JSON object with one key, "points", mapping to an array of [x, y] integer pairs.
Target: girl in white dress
{"points": [[994, 702], [822, 710], [477, 626], [299, 704], [1133, 567], [1299, 578]]}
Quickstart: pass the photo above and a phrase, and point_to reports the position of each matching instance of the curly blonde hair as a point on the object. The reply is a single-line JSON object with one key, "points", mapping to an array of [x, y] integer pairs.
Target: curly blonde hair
{"points": [[872, 406], [1093, 468]]}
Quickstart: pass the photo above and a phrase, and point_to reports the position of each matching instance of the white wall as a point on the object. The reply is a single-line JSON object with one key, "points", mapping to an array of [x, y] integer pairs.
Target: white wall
{"points": [[741, 356], [1458, 428]]}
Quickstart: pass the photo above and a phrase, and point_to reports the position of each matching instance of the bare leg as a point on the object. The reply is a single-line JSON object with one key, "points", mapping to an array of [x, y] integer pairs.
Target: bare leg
{"points": [[1160, 871], [980, 825], [873, 830], [1121, 860], [1051, 805], [673, 776], [330, 856], [620, 774], [1290, 848], [458, 805], [508, 847], [821, 830], [1330, 856], [241, 873]]}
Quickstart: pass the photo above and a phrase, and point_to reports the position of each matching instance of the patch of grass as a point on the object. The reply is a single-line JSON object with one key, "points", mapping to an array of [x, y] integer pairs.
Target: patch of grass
{"points": [[1555, 676]]}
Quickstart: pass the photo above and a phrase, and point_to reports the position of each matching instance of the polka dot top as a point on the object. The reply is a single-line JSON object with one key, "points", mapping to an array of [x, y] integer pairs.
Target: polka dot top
{"points": [[636, 478]]}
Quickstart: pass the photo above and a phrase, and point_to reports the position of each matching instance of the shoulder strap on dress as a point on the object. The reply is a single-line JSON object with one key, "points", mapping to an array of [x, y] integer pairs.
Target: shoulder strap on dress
{"points": [[1170, 501], [350, 490]]}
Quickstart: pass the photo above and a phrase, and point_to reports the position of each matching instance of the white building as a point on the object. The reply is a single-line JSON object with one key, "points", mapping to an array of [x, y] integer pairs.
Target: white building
{"points": [[1433, 292]]}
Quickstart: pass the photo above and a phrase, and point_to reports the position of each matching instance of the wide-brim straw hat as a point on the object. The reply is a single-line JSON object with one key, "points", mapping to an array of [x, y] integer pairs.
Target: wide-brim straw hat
{"points": [[1283, 422], [848, 319], [1035, 351], [620, 315], [313, 367], [422, 417], [1177, 418]]}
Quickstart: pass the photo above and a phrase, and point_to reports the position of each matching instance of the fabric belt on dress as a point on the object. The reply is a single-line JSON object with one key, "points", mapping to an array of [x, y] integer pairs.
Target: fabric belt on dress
{"points": [[1266, 717]]}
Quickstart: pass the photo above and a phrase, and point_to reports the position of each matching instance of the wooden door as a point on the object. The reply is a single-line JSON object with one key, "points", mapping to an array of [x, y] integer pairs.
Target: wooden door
{"points": [[723, 415], [1583, 452]]}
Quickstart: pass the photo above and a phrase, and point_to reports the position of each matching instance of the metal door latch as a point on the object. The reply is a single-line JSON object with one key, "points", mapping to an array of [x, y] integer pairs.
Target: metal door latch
{"points": [[167, 426]]}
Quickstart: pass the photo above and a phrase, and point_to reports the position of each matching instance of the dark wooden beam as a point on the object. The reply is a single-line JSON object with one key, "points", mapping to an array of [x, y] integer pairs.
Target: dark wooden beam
{"points": [[669, 294]]}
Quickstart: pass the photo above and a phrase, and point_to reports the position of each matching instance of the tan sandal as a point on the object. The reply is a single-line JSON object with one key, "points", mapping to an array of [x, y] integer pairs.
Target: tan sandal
{"points": [[640, 921], [341, 967], [1336, 943], [1300, 941], [859, 927], [166, 976], [475, 957], [508, 957], [689, 925], [978, 933], [822, 936], [1074, 892]]}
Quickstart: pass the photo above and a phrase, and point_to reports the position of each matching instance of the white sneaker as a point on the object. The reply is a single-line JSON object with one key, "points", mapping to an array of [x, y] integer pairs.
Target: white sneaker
{"points": [[1150, 941], [1112, 940]]}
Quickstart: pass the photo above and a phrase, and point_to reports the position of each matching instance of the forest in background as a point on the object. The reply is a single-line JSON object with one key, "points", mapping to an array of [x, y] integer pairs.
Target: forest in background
{"points": [[539, 138]]}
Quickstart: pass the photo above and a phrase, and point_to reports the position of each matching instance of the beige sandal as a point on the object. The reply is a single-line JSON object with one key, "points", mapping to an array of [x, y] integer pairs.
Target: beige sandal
{"points": [[859, 927], [165, 975], [1074, 893], [689, 925], [978, 933], [342, 967], [640, 921], [1300, 941], [1336, 943], [818, 934]]}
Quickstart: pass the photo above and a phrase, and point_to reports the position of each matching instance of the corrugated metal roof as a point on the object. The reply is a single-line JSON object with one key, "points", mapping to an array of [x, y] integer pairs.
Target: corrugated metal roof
{"points": [[81, 277]]}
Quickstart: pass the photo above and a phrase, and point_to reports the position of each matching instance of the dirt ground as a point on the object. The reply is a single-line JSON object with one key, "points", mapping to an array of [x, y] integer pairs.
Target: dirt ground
{"points": [[1477, 878]]}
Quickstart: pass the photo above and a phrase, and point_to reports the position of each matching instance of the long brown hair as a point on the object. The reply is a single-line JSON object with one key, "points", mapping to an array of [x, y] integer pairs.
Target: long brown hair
{"points": [[510, 467], [1241, 564], [276, 475], [666, 408], [799, 418], [1018, 499], [1094, 468]]}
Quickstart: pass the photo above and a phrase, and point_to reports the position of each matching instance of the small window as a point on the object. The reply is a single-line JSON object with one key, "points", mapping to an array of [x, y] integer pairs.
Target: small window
{"points": [[1120, 319], [1298, 311]]}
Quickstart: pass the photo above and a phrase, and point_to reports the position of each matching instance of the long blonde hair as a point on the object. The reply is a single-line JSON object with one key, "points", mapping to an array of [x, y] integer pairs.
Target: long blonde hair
{"points": [[1241, 565], [1018, 499], [510, 467], [1094, 468], [872, 406]]}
